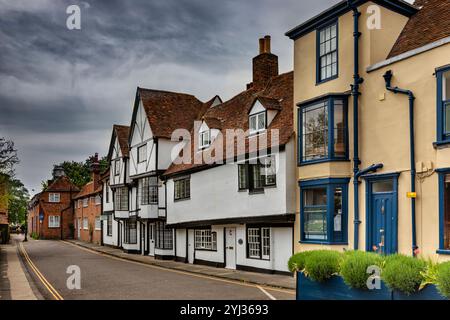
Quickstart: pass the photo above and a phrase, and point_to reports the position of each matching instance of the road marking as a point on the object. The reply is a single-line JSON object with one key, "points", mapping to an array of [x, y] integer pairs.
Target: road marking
{"points": [[40, 276], [179, 271], [271, 297]]}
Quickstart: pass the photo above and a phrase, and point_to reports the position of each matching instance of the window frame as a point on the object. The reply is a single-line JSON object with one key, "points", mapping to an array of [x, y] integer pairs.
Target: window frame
{"points": [[442, 173], [260, 228], [187, 191], [166, 241], [202, 146], [330, 135], [119, 199], [443, 137], [330, 184], [109, 225], [85, 227], [52, 196], [148, 192], [319, 79], [249, 180], [117, 167], [85, 202], [128, 239], [142, 147], [206, 246], [99, 221], [257, 130], [52, 222]]}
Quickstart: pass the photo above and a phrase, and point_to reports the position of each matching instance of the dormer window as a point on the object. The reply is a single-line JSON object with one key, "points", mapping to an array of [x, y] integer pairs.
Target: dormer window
{"points": [[204, 139], [257, 122]]}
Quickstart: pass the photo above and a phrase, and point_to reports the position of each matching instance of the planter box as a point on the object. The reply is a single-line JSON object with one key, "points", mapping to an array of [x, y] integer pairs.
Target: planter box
{"points": [[336, 289], [430, 292]]}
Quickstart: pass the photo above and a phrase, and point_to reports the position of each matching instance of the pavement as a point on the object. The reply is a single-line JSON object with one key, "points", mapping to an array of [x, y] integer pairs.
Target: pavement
{"points": [[14, 281], [269, 280], [104, 273]]}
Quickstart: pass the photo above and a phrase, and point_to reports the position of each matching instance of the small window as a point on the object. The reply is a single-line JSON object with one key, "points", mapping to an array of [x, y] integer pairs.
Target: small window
{"points": [[130, 231], [258, 243], [53, 221], [257, 122], [109, 225], [327, 55], [98, 200], [117, 167], [182, 188], [54, 197], [121, 199], [205, 239], [142, 153], [85, 202], [164, 236], [256, 176], [98, 223], [85, 223], [324, 211], [243, 176], [383, 186], [204, 139]]}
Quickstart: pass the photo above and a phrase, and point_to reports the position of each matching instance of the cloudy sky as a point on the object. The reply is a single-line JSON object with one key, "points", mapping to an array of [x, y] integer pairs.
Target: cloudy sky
{"points": [[62, 90]]}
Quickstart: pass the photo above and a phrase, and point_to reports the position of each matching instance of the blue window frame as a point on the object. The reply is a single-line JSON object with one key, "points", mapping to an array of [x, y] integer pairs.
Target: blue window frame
{"points": [[324, 211], [444, 211], [443, 105], [327, 52], [320, 122]]}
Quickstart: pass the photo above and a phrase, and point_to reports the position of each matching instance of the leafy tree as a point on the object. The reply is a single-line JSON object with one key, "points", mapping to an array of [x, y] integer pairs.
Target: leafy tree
{"points": [[18, 198]]}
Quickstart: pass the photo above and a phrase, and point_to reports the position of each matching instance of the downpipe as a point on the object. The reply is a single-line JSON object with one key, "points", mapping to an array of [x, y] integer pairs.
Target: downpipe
{"points": [[357, 81], [388, 79]]}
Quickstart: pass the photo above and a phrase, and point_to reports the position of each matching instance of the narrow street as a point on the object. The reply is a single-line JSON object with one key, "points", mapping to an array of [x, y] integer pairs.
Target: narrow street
{"points": [[104, 277]]}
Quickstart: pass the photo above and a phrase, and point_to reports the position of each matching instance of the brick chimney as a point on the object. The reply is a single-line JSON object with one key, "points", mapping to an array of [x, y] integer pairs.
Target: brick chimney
{"points": [[265, 65], [95, 171]]}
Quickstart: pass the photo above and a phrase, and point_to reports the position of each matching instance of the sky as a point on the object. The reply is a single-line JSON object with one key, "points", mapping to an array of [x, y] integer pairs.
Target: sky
{"points": [[62, 90]]}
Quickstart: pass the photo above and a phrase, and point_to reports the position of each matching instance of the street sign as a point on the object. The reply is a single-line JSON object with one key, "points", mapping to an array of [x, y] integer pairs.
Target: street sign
{"points": [[411, 195]]}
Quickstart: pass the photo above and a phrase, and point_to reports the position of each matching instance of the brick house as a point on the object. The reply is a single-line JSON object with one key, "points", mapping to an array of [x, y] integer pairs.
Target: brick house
{"points": [[50, 212], [4, 222], [88, 208]]}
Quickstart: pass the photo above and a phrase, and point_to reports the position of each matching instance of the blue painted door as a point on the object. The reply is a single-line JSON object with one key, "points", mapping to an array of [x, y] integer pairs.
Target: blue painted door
{"points": [[383, 235]]}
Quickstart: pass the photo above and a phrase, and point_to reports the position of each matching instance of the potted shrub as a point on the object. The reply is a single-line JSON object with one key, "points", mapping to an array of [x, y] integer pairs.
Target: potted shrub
{"points": [[443, 279]]}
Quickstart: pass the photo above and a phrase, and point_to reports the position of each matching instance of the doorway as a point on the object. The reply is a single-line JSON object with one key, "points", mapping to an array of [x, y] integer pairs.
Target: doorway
{"points": [[191, 246], [151, 239], [230, 248]]}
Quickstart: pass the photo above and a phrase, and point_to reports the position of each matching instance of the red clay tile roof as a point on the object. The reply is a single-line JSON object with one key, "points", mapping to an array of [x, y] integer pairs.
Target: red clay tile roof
{"points": [[62, 184], [234, 115], [122, 133], [269, 103], [212, 122], [168, 111], [430, 24], [88, 190]]}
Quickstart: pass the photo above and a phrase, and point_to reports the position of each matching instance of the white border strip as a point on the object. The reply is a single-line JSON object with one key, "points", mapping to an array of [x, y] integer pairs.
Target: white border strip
{"points": [[408, 54]]}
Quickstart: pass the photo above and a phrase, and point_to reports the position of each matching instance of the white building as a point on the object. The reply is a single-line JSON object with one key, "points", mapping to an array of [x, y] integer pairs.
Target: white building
{"points": [[239, 215]]}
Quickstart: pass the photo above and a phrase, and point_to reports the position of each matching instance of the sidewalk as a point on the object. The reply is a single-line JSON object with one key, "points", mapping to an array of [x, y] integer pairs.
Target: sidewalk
{"points": [[270, 280], [13, 281]]}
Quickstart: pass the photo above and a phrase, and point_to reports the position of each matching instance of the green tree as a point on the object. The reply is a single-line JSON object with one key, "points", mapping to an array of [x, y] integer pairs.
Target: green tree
{"points": [[18, 198], [8, 157]]}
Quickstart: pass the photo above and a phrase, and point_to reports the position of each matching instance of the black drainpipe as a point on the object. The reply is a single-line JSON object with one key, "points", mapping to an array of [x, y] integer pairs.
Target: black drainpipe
{"points": [[357, 80], [388, 78]]}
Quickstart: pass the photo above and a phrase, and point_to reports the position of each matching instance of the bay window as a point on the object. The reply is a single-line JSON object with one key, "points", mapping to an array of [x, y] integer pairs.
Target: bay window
{"points": [[443, 105], [148, 190], [323, 131], [323, 210], [444, 210]]}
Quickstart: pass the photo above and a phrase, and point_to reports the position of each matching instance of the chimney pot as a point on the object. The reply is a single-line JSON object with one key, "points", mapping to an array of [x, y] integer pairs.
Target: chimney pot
{"points": [[267, 44], [262, 45]]}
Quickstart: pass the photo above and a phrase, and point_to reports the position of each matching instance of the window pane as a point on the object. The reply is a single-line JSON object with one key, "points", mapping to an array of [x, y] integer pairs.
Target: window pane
{"points": [[315, 225], [447, 118], [253, 123], [242, 172], [339, 129], [337, 215], [315, 131], [447, 212], [261, 121], [269, 171], [383, 186], [446, 86], [315, 197], [257, 176], [254, 242]]}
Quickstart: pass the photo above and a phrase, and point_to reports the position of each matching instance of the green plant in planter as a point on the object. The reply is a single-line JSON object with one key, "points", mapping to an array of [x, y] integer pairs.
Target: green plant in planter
{"points": [[321, 265], [430, 274], [297, 262], [354, 266], [443, 279], [403, 273]]}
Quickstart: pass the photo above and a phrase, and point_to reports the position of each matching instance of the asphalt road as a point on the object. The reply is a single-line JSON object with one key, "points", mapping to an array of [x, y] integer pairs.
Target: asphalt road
{"points": [[104, 277]]}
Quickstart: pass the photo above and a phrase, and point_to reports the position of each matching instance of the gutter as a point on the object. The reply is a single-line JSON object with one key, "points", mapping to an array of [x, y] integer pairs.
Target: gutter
{"points": [[388, 78]]}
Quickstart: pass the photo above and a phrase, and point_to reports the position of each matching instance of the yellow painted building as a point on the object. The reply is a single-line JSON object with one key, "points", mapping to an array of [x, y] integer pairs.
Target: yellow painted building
{"points": [[402, 55]]}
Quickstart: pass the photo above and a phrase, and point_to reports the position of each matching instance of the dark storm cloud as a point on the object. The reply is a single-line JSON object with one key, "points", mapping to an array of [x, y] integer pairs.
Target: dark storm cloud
{"points": [[61, 90]]}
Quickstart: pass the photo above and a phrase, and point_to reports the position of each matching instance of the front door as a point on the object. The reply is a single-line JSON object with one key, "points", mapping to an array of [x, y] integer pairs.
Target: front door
{"points": [[79, 229], [151, 239], [230, 248], [383, 217], [191, 246]]}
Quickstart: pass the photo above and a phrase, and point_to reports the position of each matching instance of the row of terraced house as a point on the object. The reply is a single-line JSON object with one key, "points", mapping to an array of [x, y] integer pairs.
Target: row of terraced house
{"points": [[347, 151]]}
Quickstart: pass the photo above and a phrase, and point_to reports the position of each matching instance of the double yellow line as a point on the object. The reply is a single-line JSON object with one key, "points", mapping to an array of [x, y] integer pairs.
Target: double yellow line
{"points": [[40, 276]]}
